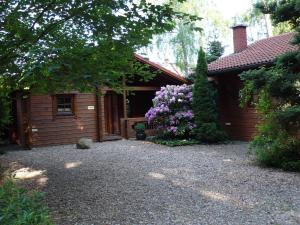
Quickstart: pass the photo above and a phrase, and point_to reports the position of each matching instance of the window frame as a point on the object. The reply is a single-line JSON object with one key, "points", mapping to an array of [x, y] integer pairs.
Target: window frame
{"points": [[55, 105]]}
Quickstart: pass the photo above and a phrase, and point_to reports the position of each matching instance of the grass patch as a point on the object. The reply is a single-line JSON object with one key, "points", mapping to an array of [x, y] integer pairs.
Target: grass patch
{"points": [[175, 142], [18, 207]]}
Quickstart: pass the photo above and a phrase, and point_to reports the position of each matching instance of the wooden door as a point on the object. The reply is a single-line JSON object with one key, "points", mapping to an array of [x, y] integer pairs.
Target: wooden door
{"points": [[112, 113]]}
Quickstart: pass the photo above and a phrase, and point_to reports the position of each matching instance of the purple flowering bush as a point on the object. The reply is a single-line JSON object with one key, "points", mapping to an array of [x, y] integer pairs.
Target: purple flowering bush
{"points": [[172, 111]]}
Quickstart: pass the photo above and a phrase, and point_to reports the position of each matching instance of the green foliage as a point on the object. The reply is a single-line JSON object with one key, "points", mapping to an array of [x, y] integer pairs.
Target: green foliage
{"points": [[274, 146], [175, 142], [284, 14], [215, 51], [17, 207], [259, 18], [184, 46], [4, 110], [281, 11], [275, 92], [289, 117], [54, 46], [204, 106], [139, 128], [282, 28], [186, 38], [74, 44], [277, 100]]}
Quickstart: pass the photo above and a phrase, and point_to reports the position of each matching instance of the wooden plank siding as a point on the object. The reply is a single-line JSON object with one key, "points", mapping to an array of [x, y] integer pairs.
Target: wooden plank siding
{"points": [[239, 123], [59, 129]]}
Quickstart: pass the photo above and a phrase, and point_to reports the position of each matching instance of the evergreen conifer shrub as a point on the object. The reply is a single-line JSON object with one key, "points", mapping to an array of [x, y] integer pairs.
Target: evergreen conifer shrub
{"points": [[204, 106]]}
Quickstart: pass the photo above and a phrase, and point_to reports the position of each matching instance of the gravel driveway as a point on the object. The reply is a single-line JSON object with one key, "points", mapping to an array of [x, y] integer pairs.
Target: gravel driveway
{"points": [[130, 182]]}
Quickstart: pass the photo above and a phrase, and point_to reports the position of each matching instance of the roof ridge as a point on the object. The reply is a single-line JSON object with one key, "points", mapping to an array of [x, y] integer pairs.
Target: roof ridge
{"points": [[159, 67], [269, 38]]}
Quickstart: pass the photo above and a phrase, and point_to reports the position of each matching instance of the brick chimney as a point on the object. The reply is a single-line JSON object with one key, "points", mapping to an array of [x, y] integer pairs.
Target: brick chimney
{"points": [[239, 38]]}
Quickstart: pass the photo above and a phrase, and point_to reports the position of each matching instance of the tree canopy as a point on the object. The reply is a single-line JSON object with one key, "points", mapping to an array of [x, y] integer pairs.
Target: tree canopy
{"points": [[50, 44], [215, 50], [181, 44]]}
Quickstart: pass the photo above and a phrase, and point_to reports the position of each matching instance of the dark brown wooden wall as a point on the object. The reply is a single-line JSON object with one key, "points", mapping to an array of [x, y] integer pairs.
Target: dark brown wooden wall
{"points": [[55, 130], [243, 120], [140, 102]]}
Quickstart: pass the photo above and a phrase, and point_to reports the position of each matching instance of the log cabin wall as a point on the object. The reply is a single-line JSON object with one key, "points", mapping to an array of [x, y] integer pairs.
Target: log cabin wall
{"points": [[48, 128], [90, 117], [239, 123]]}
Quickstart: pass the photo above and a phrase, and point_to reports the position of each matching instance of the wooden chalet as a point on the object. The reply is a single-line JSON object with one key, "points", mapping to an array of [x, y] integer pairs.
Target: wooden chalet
{"points": [[42, 120]]}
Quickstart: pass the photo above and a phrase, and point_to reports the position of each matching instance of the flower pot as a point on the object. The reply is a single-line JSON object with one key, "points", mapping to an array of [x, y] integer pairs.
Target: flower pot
{"points": [[141, 136]]}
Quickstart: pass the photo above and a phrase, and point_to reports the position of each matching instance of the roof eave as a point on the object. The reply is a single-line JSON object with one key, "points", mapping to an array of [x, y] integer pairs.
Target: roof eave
{"points": [[162, 69], [239, 68]]}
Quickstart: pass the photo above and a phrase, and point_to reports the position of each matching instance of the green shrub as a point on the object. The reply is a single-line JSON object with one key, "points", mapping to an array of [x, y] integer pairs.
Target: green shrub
{"points": [[139, 127], [275, 91], [140, 131], [175, 142], [275, 147], [291, 165], [172, 113], [275, 144], [19, 208]]}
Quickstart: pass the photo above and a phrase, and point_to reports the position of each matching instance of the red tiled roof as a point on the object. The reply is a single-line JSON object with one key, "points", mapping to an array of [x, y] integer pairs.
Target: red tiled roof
{"points": [[259, 53], [159, 67]]}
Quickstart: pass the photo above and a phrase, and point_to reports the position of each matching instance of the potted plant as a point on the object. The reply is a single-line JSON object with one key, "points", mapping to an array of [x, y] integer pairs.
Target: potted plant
{"points": [[140, 131]]}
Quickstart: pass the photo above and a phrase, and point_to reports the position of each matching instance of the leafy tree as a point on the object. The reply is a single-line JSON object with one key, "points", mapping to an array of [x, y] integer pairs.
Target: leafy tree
{"points": [[38, 36], [261, 10], [215, 51], [260, 23], [277, 97], [204, 106], [181, 44], [184, 46], [53, 45]]}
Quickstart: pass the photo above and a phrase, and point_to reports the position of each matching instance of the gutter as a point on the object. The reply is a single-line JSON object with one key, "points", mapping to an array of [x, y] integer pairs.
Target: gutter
{"points": [[239, 69]]}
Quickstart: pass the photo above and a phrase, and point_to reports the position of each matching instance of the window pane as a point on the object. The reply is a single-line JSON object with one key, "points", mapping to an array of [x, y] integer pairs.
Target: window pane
{"points": [[60, 100], [64, 104], [67, 100]]}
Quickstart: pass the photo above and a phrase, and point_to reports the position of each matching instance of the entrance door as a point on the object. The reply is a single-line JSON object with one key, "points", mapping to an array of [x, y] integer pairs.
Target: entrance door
{"points": [[112, 113]]}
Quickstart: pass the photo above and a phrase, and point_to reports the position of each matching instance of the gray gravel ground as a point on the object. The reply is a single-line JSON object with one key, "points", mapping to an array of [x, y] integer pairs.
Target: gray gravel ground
{"points": [[130, 182]]}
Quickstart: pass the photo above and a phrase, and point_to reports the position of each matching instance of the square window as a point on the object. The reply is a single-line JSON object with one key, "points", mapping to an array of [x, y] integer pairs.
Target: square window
{"points": [[64, 104]]}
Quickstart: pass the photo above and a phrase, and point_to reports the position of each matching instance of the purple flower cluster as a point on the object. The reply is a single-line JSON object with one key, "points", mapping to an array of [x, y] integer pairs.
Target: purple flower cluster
{"points": [[172, 94], [188, 114], [171, 111], [155, 111]]}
